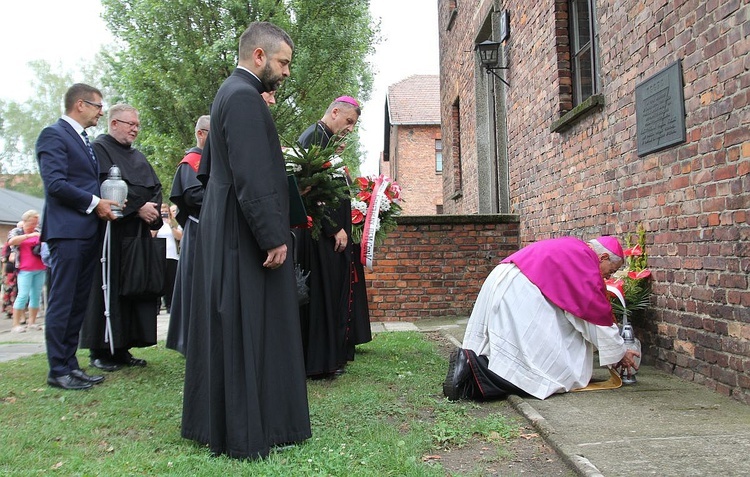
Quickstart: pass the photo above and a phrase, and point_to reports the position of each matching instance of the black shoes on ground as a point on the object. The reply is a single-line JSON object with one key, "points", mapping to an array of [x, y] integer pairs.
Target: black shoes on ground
{"points": [[78, 373], [74, 381], [105, 365], [136, 362], [458, 378], [68, 382], [112, 365]]}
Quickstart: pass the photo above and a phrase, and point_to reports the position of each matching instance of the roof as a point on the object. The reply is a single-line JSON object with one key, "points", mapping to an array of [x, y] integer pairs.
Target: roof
{"points": [[15, 204], [415, 100]]}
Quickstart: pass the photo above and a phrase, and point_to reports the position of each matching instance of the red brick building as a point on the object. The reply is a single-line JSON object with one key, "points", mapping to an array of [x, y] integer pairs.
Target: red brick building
{"points": [[560, 147], [412, 152]]}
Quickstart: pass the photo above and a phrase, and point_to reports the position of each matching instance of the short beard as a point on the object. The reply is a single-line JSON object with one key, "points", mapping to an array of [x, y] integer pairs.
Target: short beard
{"points": [[269, 81]]}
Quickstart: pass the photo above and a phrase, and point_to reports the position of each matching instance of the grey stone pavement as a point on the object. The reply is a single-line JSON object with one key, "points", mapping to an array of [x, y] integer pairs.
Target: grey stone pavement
{"points": [[661, 426]]}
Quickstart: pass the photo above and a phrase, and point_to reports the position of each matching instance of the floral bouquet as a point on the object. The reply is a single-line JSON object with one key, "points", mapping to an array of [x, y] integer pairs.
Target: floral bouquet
{"points": [[633, 281], [375, 206], [320, 177]]}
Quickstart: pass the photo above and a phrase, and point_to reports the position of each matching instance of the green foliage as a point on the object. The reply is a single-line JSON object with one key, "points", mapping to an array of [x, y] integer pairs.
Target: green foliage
{"points": [[380, 418], [319, 172], [173, 57], [635, 277], [21, 122]]}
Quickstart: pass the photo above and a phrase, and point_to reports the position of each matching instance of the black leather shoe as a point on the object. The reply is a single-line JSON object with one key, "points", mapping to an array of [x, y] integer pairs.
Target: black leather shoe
{"points": [[136, 362], [105, 365], [78, 373], [458, 373], [69, 382]]}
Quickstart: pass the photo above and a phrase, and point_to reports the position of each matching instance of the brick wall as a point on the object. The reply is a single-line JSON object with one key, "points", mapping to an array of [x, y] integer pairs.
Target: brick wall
{"points": [[433, 266], [457, 103], [413, 167], [693, 198]]}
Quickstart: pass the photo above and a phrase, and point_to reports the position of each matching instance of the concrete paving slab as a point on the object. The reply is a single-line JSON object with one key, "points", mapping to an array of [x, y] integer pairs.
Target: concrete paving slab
{"points": [[661, 425], [399, 326]]}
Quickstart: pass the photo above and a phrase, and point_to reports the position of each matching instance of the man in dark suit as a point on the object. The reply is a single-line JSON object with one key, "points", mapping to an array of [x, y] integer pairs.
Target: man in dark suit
{"points": [[72, 213]]}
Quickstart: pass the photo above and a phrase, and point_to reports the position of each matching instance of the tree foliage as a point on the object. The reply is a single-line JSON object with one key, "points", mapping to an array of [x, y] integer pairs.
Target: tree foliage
{"points": [[173, 56], [21, 122]]}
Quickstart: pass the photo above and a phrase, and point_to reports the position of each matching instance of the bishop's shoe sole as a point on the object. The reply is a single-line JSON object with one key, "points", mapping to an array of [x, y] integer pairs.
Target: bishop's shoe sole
{"points": [[458, 373]]}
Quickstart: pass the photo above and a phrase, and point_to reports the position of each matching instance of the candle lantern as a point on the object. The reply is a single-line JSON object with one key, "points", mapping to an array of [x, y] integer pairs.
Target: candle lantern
{"points": [[631, 342], [114, 188]]}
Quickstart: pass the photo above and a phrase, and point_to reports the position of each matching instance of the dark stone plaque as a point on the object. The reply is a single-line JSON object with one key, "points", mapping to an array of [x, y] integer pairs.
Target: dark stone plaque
{"points": [[660, 110]]}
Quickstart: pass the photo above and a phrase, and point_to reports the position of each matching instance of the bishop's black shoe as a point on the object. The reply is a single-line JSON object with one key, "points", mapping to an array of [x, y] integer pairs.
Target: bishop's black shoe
{"points": [[459, 371]]}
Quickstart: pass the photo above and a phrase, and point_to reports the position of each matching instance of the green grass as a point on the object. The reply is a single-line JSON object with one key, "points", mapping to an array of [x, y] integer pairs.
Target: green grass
{"points": [[378, 419]]}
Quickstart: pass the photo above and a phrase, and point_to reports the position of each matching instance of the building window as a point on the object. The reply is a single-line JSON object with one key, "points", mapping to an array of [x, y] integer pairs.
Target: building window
{"points": [[438, 155], [452, 12], [583, 43], [456, 146]]}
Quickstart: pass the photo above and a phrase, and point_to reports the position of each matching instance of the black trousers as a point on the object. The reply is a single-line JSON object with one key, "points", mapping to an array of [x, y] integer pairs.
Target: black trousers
{"points": [[485, 384], [169, 283]]}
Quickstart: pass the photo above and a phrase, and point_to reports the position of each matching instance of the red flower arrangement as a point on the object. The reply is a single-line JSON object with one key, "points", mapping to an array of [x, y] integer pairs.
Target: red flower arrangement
{"points": [[389, 207], [633, 281]]}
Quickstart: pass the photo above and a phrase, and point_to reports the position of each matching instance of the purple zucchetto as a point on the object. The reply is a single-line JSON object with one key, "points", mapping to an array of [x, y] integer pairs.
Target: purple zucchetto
{"points": [[347, 99], [612, 244]]}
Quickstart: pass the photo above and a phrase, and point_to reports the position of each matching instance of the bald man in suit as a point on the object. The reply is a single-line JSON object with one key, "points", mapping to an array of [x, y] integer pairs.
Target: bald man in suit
{"points": [[73, 212]]}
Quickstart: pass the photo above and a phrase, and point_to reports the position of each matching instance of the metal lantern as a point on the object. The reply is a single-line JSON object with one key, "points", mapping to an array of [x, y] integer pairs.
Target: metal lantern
{"points": [[114, 188], [631, 342]]}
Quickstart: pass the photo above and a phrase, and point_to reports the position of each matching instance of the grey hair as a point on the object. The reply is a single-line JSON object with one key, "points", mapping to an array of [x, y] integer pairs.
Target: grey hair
{"points": [[202, 123], [119, 108], [599, 249]]}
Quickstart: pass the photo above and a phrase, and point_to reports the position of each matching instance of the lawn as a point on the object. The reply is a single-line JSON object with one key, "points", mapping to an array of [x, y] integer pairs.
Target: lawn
{"points": [[385, 416]]}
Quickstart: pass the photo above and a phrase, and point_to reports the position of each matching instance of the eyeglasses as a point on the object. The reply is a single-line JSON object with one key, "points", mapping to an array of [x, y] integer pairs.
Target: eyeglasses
{"points": [[129, 123], [98, 106], [204, 130]]}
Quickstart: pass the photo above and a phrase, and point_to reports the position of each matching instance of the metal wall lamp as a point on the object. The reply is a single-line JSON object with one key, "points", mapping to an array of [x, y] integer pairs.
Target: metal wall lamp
{"points": [[488, 57]]}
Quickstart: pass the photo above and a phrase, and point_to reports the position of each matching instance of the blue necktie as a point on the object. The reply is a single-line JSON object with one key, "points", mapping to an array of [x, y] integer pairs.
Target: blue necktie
{"points": [[88, 144]]}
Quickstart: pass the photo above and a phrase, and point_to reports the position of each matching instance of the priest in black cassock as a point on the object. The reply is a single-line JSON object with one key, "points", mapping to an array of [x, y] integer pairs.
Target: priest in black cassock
{"points": [[187, 195], [245, 390], [329, 319], [133, 319]]}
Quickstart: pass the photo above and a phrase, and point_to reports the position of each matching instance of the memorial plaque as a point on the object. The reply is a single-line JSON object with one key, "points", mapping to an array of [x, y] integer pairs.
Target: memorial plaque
{"points": [[660, 110]]}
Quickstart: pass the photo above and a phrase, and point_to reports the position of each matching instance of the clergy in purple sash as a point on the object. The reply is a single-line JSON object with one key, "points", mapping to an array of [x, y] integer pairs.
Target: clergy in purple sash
{"points": [[537, 320]]}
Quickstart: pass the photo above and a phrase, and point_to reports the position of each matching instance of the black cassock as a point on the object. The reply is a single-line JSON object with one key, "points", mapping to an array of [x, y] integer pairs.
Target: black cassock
{"points": [[336, 317], [245, 388], [133, 319], [187, 194]]}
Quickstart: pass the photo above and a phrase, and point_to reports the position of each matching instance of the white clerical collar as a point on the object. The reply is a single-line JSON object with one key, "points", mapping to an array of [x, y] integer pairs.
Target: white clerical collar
{"points": [[245, 69], [78, 128]]}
